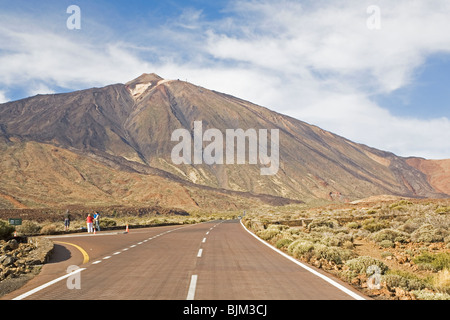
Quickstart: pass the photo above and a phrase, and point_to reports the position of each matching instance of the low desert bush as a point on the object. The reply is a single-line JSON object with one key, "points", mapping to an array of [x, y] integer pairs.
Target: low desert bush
{"points": [[336, 240], [411, 225], [107, 223], [443, 210], [386, 244], [438, 261], [429, 295], [374, 224], [323, 222], [441, 281], [29, 228], [299, 248], [51, 228], [295, 230], [271, 231], [333, 254], [307, 249], [284, 242], [403, 280], [391, 235], [361, 264], [312, 236], [6, 230], [353, 225], [428, 233]]}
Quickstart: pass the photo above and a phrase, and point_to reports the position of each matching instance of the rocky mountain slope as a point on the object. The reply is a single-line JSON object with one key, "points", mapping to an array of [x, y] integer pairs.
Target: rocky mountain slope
{"points": [[437, 172], [113, 145]]}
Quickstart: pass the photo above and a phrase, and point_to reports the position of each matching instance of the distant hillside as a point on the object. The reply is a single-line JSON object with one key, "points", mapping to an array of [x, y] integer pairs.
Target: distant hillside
{"points": [[113, 145], [437, 172]]}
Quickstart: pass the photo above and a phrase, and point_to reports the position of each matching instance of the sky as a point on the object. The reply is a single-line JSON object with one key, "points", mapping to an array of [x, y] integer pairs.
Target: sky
{"points": [[376, 72]]}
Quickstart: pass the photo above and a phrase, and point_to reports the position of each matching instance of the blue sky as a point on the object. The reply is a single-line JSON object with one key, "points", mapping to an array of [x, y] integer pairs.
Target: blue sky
{"points": [[428, 96], [317, 61]]}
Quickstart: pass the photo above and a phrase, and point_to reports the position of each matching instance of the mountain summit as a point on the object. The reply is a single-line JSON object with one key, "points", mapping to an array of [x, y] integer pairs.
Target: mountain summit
{"points": [[129, 128]]}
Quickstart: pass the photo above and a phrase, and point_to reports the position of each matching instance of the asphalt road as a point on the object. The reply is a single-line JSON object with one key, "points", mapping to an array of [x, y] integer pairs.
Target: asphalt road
{"points": [[217, 260]]}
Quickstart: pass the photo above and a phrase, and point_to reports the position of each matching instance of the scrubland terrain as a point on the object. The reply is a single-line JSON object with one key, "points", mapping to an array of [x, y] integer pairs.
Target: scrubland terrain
{"points": [[388, 249], [50, 221]]}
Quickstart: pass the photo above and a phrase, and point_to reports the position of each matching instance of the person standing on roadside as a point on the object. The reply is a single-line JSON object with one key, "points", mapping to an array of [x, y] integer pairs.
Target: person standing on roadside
{"points": [[97, 220], [90, 221], [66, 220]]}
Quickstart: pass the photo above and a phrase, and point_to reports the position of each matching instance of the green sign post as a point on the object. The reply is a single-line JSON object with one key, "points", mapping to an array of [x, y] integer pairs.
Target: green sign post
{"points": [[15, 221]]}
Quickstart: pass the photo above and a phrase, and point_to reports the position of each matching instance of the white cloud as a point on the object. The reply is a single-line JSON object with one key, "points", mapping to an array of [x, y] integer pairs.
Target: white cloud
{"points": [[39, 88], [58, 59], [363, 121], [332, 64], [334, 38], [3, 97]]}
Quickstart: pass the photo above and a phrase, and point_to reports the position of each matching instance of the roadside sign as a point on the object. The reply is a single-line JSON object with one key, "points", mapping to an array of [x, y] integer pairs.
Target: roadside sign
{"points": [[15, 221]]}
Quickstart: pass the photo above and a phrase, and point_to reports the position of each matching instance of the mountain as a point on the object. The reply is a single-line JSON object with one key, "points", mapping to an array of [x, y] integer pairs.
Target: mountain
{"points": [[123, 144], [437, 172]]}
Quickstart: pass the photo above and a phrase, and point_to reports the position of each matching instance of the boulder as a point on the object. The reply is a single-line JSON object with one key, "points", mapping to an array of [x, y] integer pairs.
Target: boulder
{"points": [[8, 261], [11, 245]]}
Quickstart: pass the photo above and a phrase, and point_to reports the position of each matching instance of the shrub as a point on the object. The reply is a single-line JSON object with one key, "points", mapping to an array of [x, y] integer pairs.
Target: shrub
{"points": [[374, 225], [29, 227], [400, 204], [428, 295], [107, 223], [332, 254], [442, 210], [436, 262], [336, 240], [360, 264], [6, 230], [295, 230], [428, 233], [391, 235], [281, 243], [441, 261], [51, 228], [313, 236], [267, 234], [441, 281], [299, 248], [403, 280], [323, 222], [411, 225], [387, 244], [353, 225]]}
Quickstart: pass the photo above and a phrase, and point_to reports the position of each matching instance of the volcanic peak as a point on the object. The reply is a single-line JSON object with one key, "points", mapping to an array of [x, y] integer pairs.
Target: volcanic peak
{"points": [[141, 85]]}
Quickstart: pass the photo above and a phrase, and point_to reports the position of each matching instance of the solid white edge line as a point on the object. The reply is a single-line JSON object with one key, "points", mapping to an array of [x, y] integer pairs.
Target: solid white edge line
{"points": [[192, 286], [48, 284], [330, 281]]}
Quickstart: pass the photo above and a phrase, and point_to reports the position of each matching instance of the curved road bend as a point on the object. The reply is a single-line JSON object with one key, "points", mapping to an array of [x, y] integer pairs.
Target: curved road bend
{"points": [[217, 260]]}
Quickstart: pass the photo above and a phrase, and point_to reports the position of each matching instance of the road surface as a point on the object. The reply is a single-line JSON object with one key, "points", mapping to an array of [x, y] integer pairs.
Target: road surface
{"points": [[217, 260]]}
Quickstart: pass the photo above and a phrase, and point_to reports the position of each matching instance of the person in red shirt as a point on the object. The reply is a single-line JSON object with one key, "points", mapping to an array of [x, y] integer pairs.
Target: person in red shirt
{"points": [[89, 221]]}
